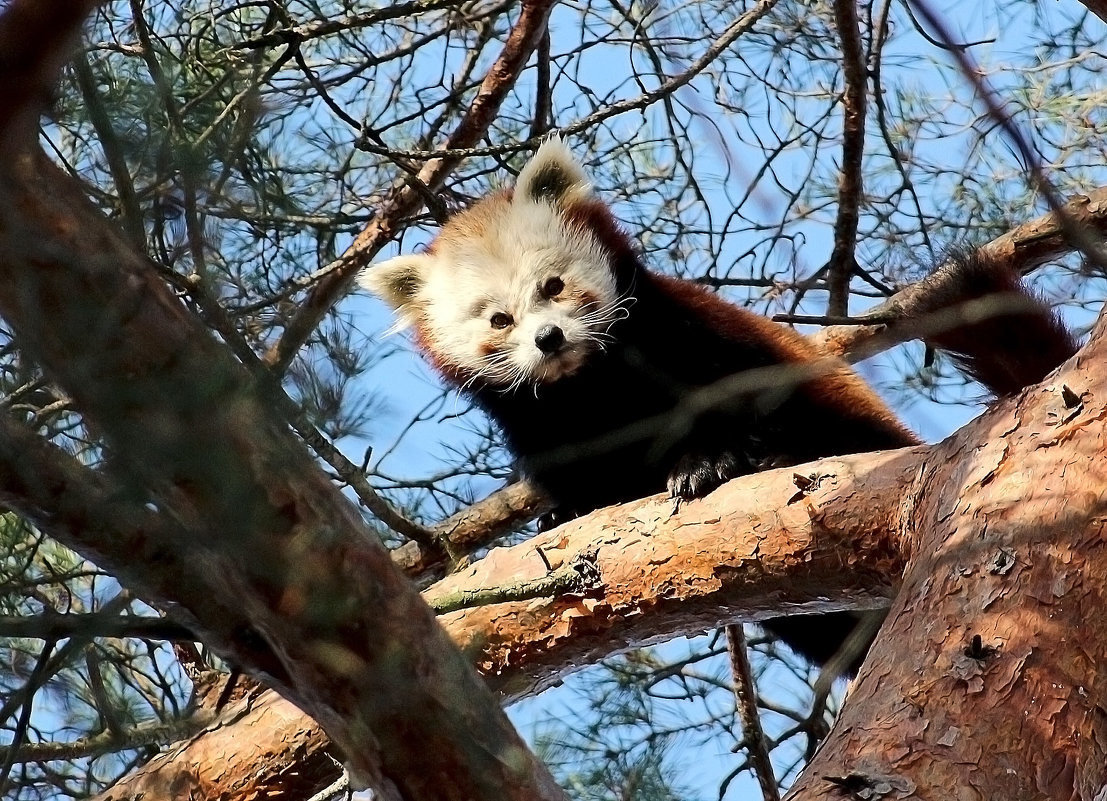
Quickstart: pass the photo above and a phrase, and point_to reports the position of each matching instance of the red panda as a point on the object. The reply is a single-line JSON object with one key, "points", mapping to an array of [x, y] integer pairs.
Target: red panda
{"points": [[610, 382]]}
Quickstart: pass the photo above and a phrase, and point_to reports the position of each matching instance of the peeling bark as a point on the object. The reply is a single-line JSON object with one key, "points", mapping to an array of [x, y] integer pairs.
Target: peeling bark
{"points": [[987, 680], [752, 548], [276, 752]]}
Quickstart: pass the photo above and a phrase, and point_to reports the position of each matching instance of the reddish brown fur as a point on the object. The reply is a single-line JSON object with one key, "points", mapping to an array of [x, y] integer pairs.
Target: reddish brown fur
{"points": [[840, 386]]}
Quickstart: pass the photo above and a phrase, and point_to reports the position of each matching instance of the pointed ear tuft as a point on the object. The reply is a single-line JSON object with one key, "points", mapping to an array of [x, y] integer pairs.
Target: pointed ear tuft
{"points": [[397, 281], [553, 176]]}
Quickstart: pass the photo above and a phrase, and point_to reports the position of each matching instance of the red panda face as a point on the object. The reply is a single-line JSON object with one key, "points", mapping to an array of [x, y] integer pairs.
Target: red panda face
{"points": [[511, 292]]}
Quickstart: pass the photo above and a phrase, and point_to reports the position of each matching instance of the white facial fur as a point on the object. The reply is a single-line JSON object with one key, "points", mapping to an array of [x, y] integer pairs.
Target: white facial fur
{"points": [[482, 294]]}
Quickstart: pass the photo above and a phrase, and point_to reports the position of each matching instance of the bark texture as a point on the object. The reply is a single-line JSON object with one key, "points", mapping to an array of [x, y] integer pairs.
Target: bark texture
{"points": [[277, 752], [988, 680], [753, 547]]}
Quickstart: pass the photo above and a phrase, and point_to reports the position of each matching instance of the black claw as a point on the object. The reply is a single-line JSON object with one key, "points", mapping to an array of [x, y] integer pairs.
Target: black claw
{"points": [[556, 517], [695, 474]]}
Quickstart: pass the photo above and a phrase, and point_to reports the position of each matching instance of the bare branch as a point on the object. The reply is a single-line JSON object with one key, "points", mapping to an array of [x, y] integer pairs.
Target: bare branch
{"points": [[475, 526], [578, 576], [97, 624], [1091, 247], [745, 694], [130, 217], [302, 33], [543, 99], [108, 742], [850, 182], [740, 26]]}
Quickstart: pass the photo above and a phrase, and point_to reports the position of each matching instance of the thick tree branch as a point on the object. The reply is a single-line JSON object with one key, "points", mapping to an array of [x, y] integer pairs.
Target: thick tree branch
{"points": [[104, 522], [245, 754], [1009, 554], [752, 549]]}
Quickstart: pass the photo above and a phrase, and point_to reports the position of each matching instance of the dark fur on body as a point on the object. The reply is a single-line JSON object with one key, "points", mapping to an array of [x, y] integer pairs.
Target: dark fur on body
{"points": [[621, 426]]}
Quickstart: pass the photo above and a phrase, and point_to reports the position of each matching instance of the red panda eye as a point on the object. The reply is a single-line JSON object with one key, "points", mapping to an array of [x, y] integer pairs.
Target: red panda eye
{"points": [[501, 320], [553, 287]]}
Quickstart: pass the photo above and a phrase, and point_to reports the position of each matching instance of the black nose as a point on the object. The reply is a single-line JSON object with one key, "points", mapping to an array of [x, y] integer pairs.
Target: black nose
{"points": [[549, 339]]}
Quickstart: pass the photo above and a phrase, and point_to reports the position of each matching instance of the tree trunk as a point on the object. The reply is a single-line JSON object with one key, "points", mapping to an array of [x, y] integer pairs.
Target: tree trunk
{"points": [[987, 680]]}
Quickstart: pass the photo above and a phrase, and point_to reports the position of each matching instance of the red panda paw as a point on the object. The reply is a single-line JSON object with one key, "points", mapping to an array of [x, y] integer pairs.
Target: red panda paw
{"points": [[555, 517], [696, 474]]}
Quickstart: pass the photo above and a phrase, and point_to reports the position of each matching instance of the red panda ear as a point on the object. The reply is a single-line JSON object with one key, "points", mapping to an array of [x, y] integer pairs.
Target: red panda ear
{"points": [[552, 176], [396, 281]]}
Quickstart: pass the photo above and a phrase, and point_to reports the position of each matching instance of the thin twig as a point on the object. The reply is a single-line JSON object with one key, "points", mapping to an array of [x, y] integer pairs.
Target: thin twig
{"points": [[725, 39], [1080, 238], [107, 742], [130, 216], [339, 785], [576, 576], [350, 473], [178, 137], [314, 30], [850, 182], [53, 626], [37, 679], [745, 695]]}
